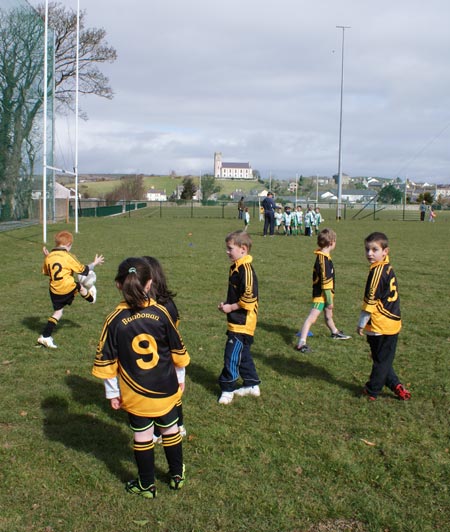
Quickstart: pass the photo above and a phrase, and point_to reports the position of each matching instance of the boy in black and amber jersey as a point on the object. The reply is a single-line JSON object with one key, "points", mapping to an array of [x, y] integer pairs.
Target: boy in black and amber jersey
{"points": [[60, 266], [241, 308], [322, 291], [380, 318], [142, 359]]}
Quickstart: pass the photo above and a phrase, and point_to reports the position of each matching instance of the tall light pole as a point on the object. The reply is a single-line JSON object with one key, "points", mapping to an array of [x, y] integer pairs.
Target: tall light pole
{"points": [[338, 213]]}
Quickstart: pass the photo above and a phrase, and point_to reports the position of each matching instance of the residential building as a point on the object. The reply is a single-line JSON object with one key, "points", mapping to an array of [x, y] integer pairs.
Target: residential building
{"points": [[156, 195]]}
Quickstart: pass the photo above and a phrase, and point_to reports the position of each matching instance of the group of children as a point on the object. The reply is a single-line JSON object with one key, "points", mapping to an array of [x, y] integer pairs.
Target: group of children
{"points": [[292, 221], [141, 357], [295, 222]]}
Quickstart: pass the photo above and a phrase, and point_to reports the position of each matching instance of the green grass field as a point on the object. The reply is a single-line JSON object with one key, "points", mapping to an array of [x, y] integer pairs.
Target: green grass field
{"points": [[309, 455], [97, 189]]}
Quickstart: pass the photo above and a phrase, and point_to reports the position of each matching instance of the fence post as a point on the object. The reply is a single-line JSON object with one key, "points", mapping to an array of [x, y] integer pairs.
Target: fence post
{"points": [[160, 209], [192, 209], [223, 210]]}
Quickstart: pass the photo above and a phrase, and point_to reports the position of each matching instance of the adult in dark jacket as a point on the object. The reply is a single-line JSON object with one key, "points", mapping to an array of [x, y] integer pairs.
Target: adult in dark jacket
{"points": [[268, 204]]}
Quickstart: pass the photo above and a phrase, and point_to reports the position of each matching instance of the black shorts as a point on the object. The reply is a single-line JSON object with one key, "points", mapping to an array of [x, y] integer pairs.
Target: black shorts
{"points": [[59, 301], [141, 423]]}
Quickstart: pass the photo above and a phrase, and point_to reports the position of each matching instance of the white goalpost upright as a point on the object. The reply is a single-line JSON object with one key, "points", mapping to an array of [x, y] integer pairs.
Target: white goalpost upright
{"points": [[76, 114], [44, 145]]}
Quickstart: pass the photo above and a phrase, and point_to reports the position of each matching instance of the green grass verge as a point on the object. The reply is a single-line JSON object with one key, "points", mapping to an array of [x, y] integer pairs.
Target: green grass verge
{"points": [[309, 454]]}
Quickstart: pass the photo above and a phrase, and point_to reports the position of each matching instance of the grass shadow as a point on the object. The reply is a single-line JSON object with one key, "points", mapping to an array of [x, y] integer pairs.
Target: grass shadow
{"points": [[86, 433], [89, 392], [204, 378], [286, 333], [36, 323], [295, 367]]}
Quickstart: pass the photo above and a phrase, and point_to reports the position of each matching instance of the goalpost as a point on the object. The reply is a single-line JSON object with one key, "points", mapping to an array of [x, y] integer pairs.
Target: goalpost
{"points": [[44, 156]]}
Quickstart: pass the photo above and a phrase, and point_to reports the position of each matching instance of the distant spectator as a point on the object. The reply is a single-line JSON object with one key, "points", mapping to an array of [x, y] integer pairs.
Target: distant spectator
{"points": [[423, 209], [241, 207], [268, 204]]}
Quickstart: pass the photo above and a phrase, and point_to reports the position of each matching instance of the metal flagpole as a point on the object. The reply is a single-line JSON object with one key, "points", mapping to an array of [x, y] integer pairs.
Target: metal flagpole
{"points": [[338, 213]]}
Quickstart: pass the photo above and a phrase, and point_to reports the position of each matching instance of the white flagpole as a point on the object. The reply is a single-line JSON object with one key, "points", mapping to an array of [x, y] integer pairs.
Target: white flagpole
{"points": [[44, 144], [76, 116]]}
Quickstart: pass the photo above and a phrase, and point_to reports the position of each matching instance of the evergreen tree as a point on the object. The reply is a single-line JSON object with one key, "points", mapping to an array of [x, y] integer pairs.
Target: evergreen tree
{"points": [[189, 189]]}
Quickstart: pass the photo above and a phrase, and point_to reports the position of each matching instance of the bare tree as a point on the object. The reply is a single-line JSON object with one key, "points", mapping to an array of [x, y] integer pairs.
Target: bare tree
{"points": [[21, 45], [93, 50], [130, 188], [22, 92], [209, 186]]}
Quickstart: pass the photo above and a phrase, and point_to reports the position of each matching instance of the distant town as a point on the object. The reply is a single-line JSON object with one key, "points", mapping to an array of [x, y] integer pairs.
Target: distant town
{"points": [[230, 181]]}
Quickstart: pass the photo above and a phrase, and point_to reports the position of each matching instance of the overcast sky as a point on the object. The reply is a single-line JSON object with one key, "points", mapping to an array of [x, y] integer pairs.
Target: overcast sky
{"points": [[260, 82]]}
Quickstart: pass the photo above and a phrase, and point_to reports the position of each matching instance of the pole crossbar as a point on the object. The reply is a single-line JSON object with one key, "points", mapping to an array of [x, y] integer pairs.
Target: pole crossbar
{"points": [[60, 170]]}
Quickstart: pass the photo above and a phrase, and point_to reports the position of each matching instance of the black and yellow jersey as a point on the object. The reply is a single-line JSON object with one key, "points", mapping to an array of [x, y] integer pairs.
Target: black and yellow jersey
{"points": [[243, 290], [60, 265], [173, 311], [382, 300], [323, 276], [142, 348]]}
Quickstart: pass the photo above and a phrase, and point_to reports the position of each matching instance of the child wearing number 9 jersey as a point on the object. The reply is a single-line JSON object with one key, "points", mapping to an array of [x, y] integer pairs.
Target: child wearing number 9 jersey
{"points": [[142, 358]]}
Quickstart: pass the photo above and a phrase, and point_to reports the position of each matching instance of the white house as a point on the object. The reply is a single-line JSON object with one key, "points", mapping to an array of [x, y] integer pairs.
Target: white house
{"points": [[61, 192], [351, 196], [443, 191], [156, 195], [223, 170], [328, 196]]}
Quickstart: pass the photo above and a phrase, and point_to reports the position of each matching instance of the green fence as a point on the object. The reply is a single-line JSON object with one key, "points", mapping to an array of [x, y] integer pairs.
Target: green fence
{"points": [[229, 210], [105, 210]]}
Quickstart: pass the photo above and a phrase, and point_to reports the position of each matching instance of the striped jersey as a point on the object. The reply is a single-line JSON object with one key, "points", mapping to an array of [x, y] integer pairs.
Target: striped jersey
{"points": [[310, 219], [382, 300], [287, 218], [323, 276], [60, 265], [142, 348], [243, 289]]}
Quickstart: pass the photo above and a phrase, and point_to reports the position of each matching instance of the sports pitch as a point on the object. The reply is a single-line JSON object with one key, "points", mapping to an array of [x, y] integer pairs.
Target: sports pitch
{"points": [[309, 455]]}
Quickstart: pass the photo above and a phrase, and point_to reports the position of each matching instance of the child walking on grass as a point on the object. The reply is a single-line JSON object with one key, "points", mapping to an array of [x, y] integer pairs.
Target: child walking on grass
{"points": [[380, 319], [60, 266], [246, 219], [322, 291], [241, 308], [142, 358]]}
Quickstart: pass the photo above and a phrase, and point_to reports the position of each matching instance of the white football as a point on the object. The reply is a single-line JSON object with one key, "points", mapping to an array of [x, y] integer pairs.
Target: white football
{"points": [[87, 280]]}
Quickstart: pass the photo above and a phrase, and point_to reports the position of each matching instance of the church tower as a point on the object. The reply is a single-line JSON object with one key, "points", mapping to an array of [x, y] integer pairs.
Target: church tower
{"points": [[217, 164]]}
